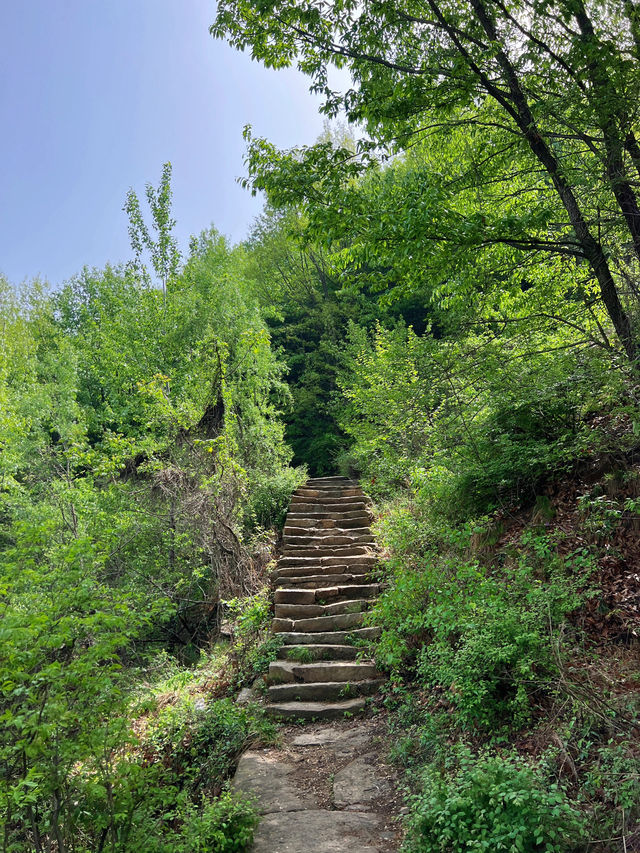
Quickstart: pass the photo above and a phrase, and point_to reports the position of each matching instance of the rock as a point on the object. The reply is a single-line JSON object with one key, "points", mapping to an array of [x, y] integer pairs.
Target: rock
{"points": [[319, 832], [343, 739], [268, 779], [328, 691], [281, 672], [315, 710], [359, 782], [246, 696]]}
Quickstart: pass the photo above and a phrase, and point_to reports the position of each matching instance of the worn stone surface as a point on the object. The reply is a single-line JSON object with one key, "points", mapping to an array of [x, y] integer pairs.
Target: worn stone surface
{"points": [[335, 736], [329, 691], [325, 789], [319, 832], [281, 672], [247, 695], [317, 710], [268, 779], [359, 783]]}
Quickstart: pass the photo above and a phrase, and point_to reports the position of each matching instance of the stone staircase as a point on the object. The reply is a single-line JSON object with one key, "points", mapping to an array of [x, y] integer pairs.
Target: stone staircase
{"points": [[323, 588]]}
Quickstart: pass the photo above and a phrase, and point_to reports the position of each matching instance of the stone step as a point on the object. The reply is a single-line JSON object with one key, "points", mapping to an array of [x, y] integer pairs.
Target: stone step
{"points": [[300, 571], [317, 516], [315, 505], [323, 562], [326, 593], [327, 496], [337, 638], [317, 651], [327, 691], [338, 622], [331, 478], [315, 710], [308, 540], [323, 535], [327, 526], [343, 593], [325, 551], [320, 581], [305, 611], [336, 505], [290, 672], [329, 492]]}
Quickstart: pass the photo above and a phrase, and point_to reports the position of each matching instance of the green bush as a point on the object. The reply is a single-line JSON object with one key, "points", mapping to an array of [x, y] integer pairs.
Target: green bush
{"points": [[270, 497], [254, 645], [610, 786], [480, 635], [489, 662], [491, 803], [200, 746], [225, 825], [165, 820]]}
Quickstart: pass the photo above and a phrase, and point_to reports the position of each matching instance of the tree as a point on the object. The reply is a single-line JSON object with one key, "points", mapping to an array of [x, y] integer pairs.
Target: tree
{"points": [[555, 81], [165, 256]]}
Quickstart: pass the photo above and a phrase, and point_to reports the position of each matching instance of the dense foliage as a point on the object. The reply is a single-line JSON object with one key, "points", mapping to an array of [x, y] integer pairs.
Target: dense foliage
{"points": [[485, 224], [141, 450], [448, 309]]}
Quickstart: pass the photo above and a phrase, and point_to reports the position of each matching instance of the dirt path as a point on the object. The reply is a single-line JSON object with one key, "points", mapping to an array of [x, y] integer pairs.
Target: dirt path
{"points": [[326, 789]]}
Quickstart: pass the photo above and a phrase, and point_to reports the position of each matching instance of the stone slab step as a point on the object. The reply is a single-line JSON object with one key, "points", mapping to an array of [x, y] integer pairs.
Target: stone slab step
{"points": [[326, 691], [315, 710], [322, 562], [317, 651], [347, 592], [331, 478], [321, 501], [307, 540], [339, 491], [328, 496], [321, 581], [335, 505], [320, 516], [332, 638], [290, 672], [325, 551], [305, 611], [301, 571], [339, 622], [326, 593], [328, 526]]}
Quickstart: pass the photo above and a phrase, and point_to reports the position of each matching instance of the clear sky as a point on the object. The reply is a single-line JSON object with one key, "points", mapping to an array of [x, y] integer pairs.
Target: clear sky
{"points": [[95, 95]]}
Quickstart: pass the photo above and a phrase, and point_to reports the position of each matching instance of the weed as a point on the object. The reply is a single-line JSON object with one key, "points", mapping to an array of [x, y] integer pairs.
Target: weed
{"points": [[494, 803]]}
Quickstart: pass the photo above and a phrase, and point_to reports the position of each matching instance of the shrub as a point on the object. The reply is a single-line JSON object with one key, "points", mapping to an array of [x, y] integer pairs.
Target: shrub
{"points": [[482, 635], [270, 498], [225, 825], [254, 645], [610, 787], [491, 803], [201, 746]]}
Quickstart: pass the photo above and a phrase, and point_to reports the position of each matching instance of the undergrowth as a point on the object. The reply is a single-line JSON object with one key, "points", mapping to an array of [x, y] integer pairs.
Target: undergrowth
{"points": [[516, 730]]}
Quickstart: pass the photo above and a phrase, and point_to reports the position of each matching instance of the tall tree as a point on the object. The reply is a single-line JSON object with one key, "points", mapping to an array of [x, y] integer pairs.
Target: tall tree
{"points": [[558, 80]]}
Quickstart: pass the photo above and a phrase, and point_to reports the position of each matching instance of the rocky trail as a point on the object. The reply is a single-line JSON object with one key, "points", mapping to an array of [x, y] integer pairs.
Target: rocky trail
{"points": [[327, 787]]}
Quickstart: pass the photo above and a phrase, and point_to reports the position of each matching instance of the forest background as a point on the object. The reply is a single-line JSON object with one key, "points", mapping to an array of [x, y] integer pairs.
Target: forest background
{"points": [[440, 298]]}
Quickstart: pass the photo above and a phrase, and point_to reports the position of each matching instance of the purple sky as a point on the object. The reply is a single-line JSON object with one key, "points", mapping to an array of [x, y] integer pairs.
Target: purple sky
{"points": [[96, 96]]}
